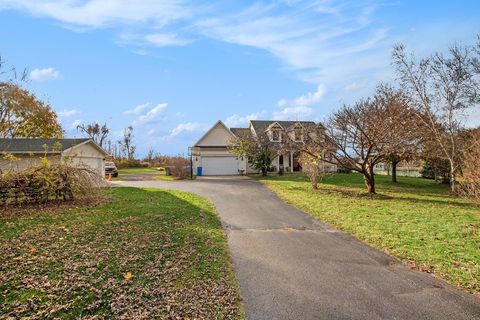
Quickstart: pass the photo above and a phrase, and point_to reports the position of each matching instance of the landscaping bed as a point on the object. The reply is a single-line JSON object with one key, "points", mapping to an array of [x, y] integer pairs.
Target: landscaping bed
{"points": [[416, 220], [148, 253]]}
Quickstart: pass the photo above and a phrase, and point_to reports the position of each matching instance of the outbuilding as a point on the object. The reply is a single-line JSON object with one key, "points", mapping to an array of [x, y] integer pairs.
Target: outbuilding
{"points": [[27, 152]]}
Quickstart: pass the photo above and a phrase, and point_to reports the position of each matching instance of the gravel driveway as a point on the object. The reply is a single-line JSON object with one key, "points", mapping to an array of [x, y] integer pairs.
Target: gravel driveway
{"points": [[290, 266]]}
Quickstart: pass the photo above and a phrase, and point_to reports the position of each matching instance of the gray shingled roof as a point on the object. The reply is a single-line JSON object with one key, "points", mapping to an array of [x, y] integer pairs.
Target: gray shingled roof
{"points": [[36, 145], [241, 132], [261, 125]]}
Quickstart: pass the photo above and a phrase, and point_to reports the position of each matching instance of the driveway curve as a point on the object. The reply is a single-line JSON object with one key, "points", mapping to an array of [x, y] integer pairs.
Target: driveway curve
{"points": [[291, 266]]}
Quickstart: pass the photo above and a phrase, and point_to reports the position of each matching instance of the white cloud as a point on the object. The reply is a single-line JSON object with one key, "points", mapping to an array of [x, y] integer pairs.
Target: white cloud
{"points": [[152, 115], [300, 107], [68, 113], [186, 127], [355, 86], [165, 39], [151, 132], [101, 13], [44, 74], [320, 40], [312, 39], [138, 109], [236, 120], [75, 123], [293, 113], [307, 100]]}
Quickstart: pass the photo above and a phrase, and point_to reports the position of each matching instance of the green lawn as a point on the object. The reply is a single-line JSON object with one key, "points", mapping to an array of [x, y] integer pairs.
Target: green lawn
{"points": [[136, 170], [416, 220], [149, 253], [152, 173]]}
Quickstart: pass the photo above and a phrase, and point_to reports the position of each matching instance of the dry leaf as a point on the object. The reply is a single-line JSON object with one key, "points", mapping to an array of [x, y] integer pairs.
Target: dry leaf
{"points": [[127, 276]]}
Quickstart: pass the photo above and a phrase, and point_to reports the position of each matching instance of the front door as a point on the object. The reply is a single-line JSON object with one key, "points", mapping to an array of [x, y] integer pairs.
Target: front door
{"points": [[296, 164]]}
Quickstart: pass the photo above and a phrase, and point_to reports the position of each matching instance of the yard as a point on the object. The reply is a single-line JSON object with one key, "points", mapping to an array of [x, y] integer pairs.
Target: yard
{"points": [[416, 220], [142, 174], [148, 253]]}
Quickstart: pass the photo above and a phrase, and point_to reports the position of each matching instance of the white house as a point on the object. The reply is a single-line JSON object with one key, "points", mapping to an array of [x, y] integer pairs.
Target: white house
{"points": [[212, 157], [78, 152]]}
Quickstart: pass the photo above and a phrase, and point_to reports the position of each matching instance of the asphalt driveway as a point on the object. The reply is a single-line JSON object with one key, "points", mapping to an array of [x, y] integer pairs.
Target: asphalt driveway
{"points": [[290, 266]]}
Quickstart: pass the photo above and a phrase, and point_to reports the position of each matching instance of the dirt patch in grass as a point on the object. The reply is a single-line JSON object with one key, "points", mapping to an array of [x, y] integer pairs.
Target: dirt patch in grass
{"points": [[146, 254]]}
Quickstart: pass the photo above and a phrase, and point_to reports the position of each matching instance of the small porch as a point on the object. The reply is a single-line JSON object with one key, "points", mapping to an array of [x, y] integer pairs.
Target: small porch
{"points": [[288, 162]]}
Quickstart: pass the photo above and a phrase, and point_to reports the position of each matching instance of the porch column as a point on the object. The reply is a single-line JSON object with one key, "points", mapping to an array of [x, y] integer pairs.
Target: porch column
{"points": [[291, 161]]}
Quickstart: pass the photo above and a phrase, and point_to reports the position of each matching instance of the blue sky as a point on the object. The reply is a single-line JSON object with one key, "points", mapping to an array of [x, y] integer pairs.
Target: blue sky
{"points": [[172, 68]]}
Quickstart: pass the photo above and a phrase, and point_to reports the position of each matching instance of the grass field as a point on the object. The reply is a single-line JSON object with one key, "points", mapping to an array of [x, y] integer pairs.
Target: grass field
{"points": [[416, 220], [124, 173], [148, 253], [136, 170]]}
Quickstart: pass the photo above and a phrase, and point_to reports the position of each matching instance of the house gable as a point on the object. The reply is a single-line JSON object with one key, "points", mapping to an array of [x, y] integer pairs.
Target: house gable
{"points": [[218, 136], [86, 149]]}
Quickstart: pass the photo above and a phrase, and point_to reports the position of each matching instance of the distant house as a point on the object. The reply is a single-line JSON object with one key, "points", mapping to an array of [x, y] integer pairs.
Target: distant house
{"points": [[211, 153], [78, 152]]}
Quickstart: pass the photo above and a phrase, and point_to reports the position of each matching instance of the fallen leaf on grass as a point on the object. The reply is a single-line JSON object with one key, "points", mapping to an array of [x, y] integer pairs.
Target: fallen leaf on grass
{"points": [[128, 276]]}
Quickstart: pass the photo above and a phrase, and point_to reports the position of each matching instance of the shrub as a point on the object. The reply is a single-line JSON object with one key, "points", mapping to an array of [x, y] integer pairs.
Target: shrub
{"points": [[125, 163], [313, 167], [47, 182], [437, 169]]}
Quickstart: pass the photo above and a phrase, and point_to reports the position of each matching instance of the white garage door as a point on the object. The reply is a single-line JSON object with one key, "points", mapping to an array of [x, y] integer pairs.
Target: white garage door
{"points": [[219, 166]]}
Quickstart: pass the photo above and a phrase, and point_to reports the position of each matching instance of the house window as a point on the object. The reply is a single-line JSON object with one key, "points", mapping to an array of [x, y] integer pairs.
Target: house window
{"points": [[297, 134], [276, 135]]}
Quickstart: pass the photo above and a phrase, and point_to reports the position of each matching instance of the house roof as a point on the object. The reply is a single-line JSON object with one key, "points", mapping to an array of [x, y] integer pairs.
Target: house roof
{"points": [[241, 132], [219, 122], [36, 145], [261, 125]]}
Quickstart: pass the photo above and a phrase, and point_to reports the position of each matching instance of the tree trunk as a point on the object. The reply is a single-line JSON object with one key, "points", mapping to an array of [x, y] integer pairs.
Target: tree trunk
{"points": [[264, 172], [369, 179], [452, 176], [394, 171]]}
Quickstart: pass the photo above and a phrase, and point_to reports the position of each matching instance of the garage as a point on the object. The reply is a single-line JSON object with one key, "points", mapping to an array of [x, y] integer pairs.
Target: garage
{"points": [[218, 165]]}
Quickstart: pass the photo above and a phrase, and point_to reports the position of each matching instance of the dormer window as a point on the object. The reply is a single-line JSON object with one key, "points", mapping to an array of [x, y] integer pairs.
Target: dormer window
{"points": [[275, 135], [274, 132], [298, 134]]}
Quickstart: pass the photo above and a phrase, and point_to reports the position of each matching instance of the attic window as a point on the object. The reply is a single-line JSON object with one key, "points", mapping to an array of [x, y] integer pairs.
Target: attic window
{"points": [[275, 135], [298, 134]]}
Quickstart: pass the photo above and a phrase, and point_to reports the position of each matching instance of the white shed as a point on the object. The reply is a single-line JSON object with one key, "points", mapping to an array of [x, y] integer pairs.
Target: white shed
{"points": [[78, 152]]}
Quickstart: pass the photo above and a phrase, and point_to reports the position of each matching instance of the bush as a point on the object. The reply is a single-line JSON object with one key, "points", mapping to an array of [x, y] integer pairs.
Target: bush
{"points": [[125, 163], [437, 169], [47, 182]]}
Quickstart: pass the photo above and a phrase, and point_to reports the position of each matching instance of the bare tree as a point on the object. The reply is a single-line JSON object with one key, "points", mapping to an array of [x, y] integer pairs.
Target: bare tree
{"points": [[442, 88], [353, 139], [150, 155], [404, 134], [95, 132], [127, 144]]}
